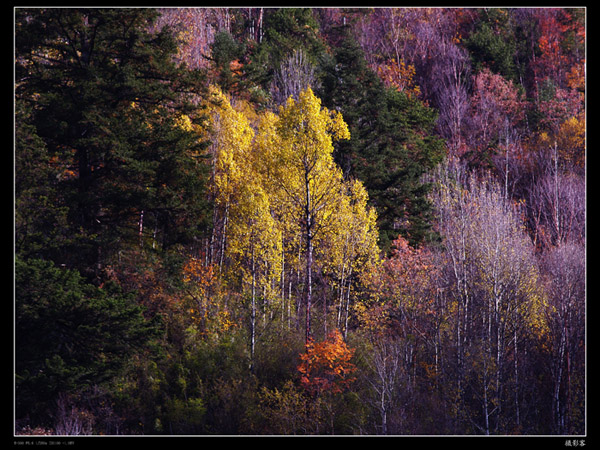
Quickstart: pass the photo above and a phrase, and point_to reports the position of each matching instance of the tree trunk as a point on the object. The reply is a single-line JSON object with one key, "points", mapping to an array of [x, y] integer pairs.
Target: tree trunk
{"points": [[309, 257], [309, 254], [253, 312], [141, 228], [223, 237], [260, 24]]}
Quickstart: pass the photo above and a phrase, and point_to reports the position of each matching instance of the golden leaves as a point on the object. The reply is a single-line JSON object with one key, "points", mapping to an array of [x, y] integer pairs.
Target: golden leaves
{"points": [[266, 167], [400, 75]]}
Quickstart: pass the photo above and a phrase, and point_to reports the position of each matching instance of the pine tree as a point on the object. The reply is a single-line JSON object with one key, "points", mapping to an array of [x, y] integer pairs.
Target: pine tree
{"points": [[392, 143], [70, 335], [107, 102]]}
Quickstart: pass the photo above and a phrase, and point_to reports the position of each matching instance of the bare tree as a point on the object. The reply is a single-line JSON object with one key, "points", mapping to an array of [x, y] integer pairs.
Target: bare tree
{"points": [[492, 277], [557, 204], [70, 420], [451, 79], [564, 268], [386, 368], [295, 74], [508, 166]]}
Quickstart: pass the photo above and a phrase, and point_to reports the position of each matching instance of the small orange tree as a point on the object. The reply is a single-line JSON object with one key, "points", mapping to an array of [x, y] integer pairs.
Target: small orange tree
{"points": [[325, 367]]}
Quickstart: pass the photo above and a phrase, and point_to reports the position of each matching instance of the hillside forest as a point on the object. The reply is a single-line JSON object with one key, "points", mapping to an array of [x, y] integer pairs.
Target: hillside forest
{"points": [[258, 221]]}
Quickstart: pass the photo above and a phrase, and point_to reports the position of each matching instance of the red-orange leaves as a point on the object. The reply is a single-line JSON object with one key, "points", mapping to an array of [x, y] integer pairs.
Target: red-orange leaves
{"points": [[325, 366], [196, 272]]}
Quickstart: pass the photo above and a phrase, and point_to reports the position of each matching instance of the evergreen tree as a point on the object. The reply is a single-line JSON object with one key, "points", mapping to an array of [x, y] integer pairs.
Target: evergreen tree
{"points": [[224, 51], [492, 44], [391, 145], [108, 103], [70, 335], [36, 190]]}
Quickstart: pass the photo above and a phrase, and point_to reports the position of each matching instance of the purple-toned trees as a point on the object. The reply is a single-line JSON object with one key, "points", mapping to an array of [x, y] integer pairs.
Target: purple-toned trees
{"points": [[557, 206], [196, 31], [492, 283], [495, 106], [564, 274]]}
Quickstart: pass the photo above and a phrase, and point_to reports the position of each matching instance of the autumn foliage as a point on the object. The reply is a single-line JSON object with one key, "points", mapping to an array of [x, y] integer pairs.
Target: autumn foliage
{"points": [[300, 221], [325, 367]]}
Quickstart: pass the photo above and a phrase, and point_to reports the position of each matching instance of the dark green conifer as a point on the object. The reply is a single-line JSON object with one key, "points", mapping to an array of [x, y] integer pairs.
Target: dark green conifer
{"points": [[392, 143], [105, 96]]}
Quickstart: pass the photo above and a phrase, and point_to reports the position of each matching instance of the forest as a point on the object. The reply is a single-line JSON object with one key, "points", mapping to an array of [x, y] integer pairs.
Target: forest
{"points": [[299, 221]]}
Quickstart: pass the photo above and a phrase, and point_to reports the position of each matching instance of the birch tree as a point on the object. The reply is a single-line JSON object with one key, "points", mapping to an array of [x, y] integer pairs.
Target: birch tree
{"points": [[305, 171], [564, 272], [495, 286], [249, 235]]}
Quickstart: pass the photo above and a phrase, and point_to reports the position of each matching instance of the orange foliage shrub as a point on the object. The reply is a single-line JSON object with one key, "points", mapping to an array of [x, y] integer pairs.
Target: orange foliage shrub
{"points": [[326, 366]]}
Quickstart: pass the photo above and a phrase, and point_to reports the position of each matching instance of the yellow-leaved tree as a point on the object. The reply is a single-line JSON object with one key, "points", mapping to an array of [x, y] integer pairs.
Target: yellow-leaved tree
{"points": [[306, 174], [281, 202], [250, 239], [349, 246]]}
